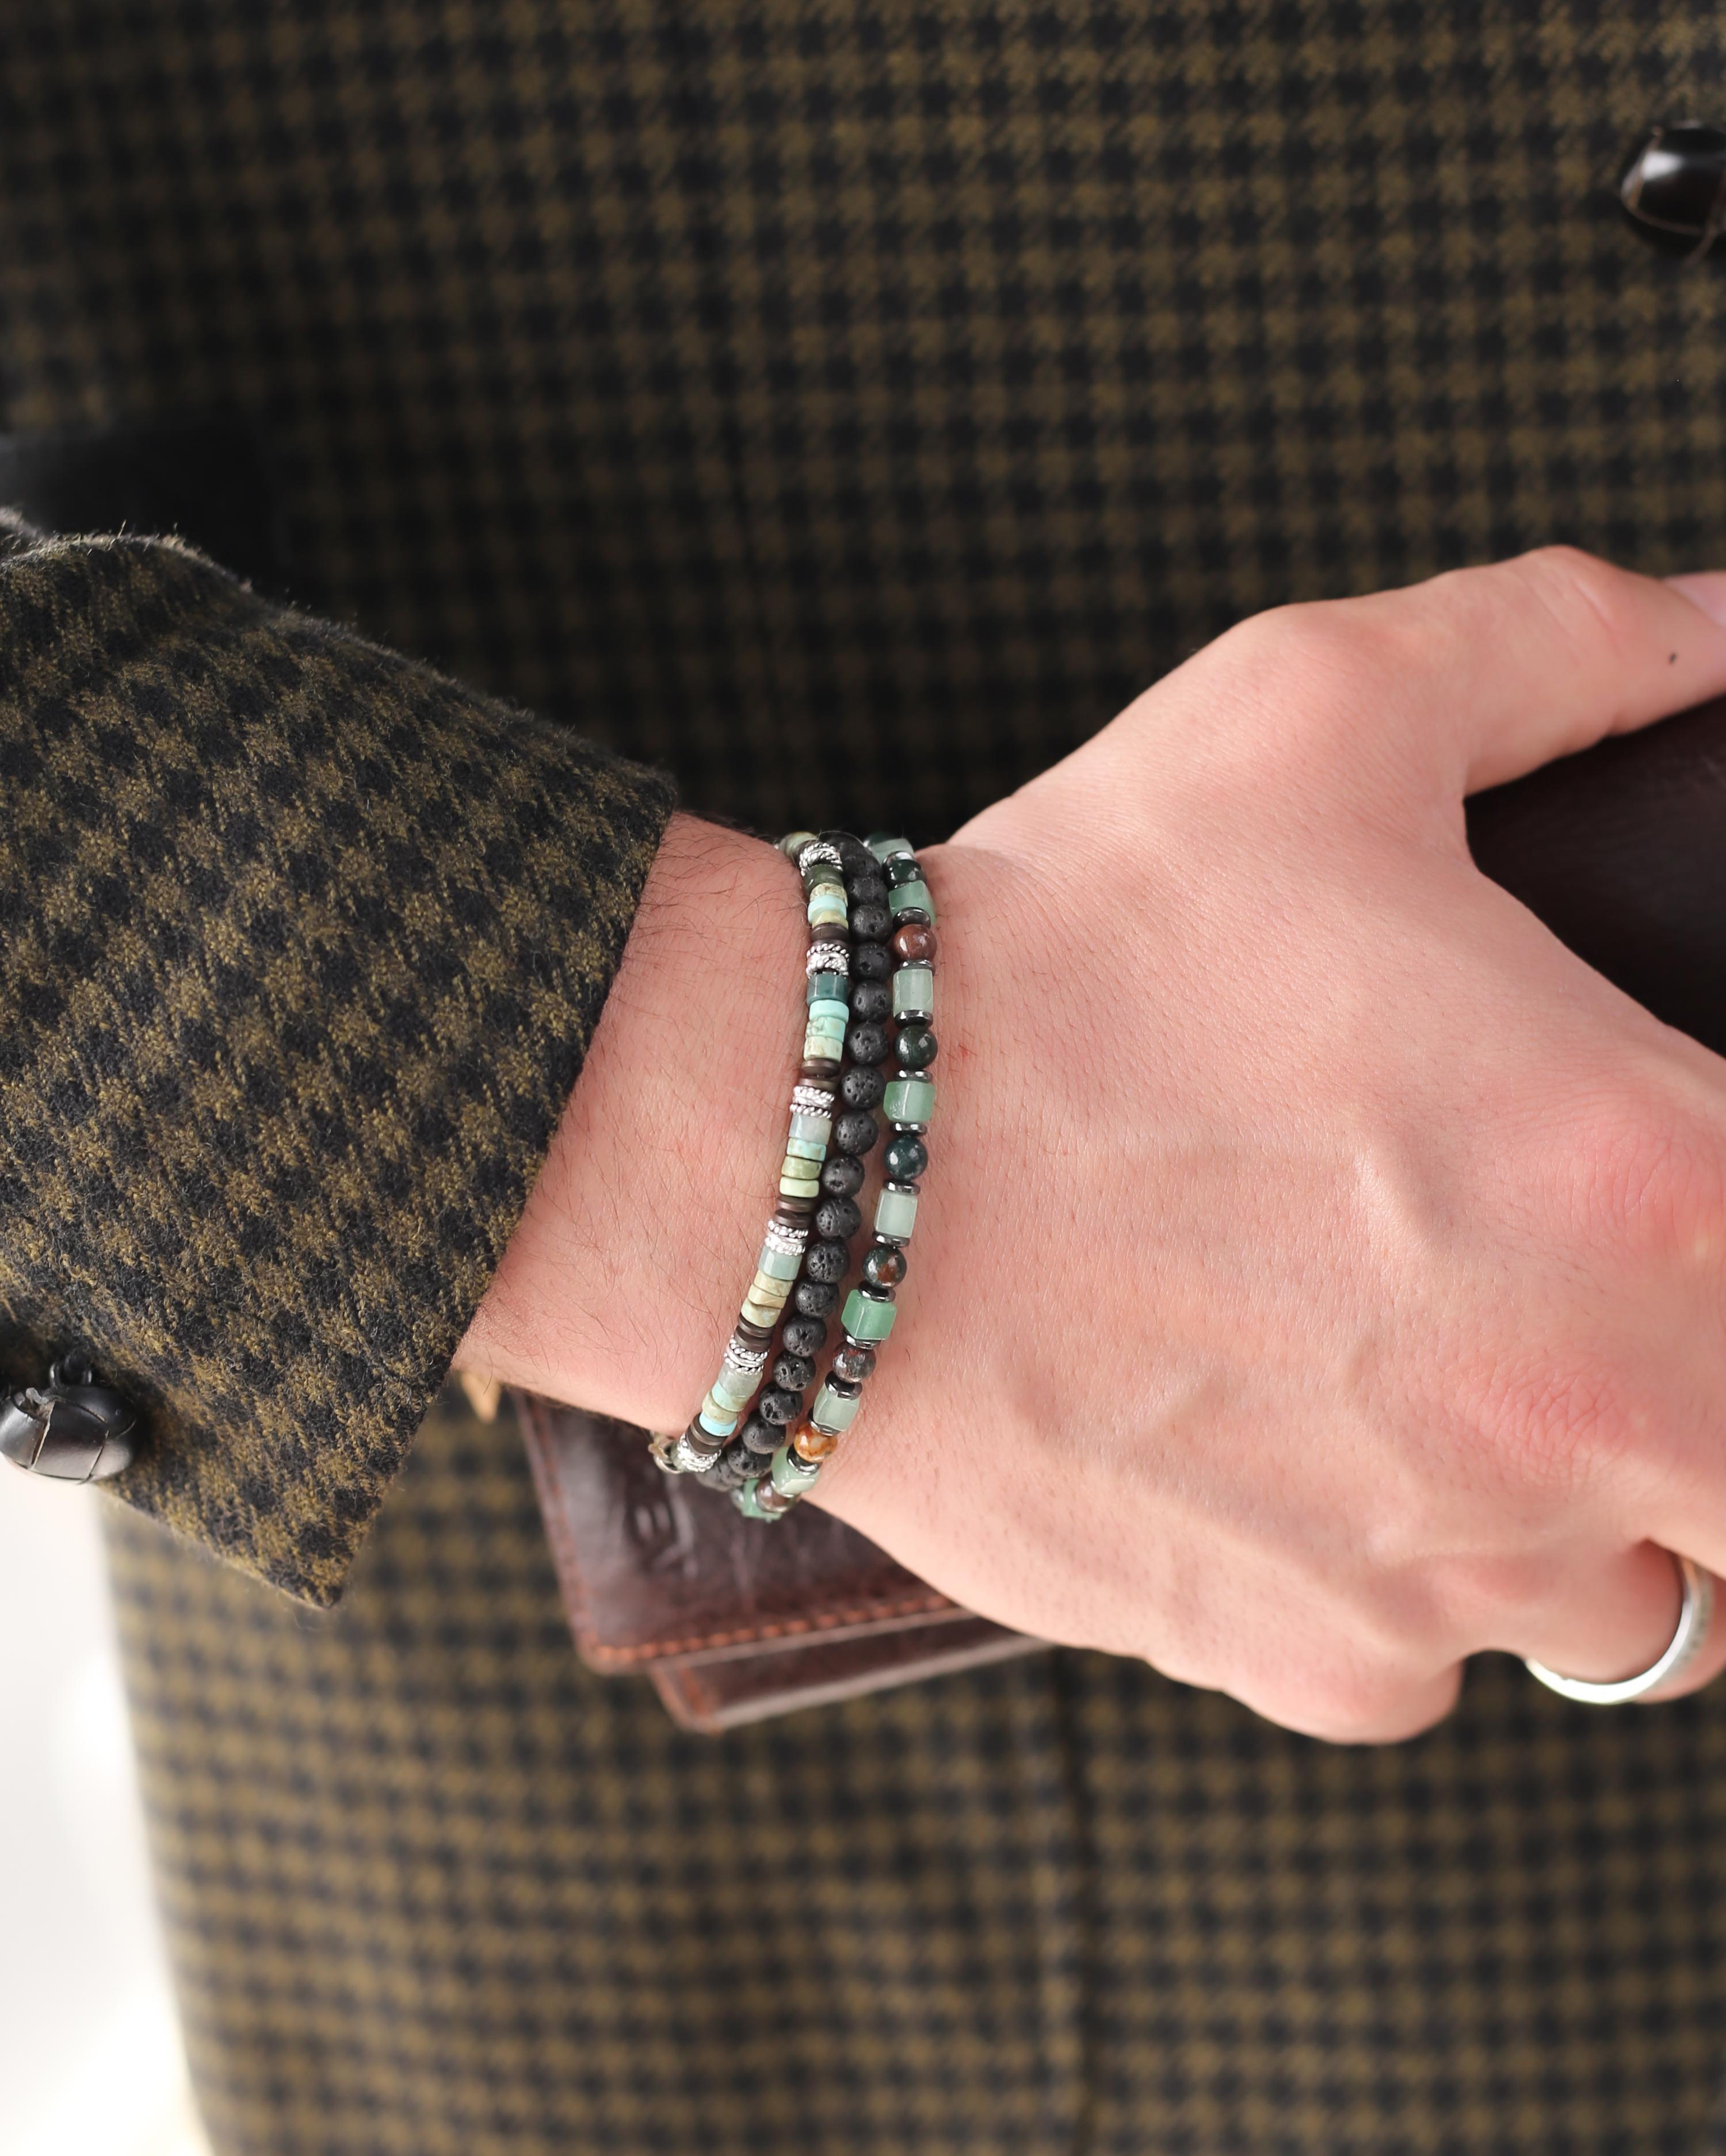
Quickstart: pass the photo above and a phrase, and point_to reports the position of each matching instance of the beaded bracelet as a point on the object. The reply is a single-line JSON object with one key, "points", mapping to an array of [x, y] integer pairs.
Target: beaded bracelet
{"points": [[814, 1098], [909, 1100], [837, 1218]]}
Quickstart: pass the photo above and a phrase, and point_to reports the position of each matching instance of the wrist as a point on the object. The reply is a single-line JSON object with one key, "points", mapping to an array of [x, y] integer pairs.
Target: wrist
{"points": [[616, 1289]]}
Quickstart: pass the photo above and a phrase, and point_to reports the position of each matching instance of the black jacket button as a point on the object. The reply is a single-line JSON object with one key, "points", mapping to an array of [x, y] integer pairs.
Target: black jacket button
{"points": [[71, 1429], [1674, 191]]}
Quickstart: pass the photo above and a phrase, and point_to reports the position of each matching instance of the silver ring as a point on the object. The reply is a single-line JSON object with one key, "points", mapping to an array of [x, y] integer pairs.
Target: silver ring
{"points": [[1694, 1614]]}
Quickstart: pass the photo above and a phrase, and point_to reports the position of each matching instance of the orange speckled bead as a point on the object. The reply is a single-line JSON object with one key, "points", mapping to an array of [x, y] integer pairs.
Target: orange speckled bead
{"points": [[914, 942], [811, 1444]]}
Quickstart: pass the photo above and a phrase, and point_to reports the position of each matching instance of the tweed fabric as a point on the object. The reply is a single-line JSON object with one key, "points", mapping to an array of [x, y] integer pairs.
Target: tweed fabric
{"points": [[848, 404], [302, 945], [435, 1891], [948, 372]]}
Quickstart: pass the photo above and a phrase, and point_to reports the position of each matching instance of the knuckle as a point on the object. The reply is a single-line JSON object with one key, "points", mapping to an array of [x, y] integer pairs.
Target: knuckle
{"points": [[1318, 671], [1644, 1179], [1349, 1705], [1554, 1423], [1582, 593]]}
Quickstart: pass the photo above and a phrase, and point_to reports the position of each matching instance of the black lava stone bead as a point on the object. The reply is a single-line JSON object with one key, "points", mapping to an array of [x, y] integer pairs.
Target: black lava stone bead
{"points": [[867, 1042], [854, 1364], [795, 1372], [823, 1263], [906, 1158], [862, 1086], [804, 1335], [871, 1000], [816, 1298], [872, 924], [916, 1048], [840, 1218], [778, 1405], [759, 1436], [842, 1177], [855, 1131], [884, 1267], [731, 1472], [868, 888], [871, 962]]}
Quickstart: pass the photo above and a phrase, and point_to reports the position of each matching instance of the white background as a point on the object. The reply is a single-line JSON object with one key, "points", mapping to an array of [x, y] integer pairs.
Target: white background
{"points": [[91, 2062]]}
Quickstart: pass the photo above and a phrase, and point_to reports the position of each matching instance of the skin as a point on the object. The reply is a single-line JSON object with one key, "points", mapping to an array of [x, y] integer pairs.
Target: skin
{"points": [[1319, 1276]]}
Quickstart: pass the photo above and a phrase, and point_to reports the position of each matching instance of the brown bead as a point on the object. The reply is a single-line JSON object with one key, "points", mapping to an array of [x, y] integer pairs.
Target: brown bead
{"points": [[771, 1500], [795, 1211], [813, 1444], [752, 1335], [820, 1070], [913, 940]]}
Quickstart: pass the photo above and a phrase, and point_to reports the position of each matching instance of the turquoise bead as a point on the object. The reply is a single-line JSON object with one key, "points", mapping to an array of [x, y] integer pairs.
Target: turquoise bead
{"points": [[895, 1214], [810, 1128], [815, 1149], [884, 845], [717, 1425], [834, 1412], [779, 1264], [826, 1007], [867, 1317], [914, 992], [911, 898], [910, 1100], [794, 842]]}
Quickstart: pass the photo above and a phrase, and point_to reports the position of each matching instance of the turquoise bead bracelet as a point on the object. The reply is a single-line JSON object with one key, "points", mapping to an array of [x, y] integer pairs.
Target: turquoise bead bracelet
{"points": [[908, 1104], [698, 1449]]}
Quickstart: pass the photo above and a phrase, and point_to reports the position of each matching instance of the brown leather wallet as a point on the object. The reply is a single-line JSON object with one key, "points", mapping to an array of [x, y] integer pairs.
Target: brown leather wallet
{"points": [[1621, 851]]}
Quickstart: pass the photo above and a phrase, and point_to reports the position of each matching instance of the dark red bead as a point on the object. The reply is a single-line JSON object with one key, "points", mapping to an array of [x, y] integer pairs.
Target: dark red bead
{"points": [[915, 942]]}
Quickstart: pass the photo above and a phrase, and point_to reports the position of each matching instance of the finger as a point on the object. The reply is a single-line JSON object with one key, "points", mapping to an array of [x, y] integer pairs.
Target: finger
{"points": [[1509, 665], [1609, 1621]]}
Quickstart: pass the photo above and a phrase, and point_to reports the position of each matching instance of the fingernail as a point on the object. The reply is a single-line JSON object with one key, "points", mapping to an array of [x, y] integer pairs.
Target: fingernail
{"points": [[1706, 588]]}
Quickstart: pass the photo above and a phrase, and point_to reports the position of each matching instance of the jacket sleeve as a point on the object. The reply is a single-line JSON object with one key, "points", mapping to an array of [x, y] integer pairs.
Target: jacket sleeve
{"points": [[301, 949]]}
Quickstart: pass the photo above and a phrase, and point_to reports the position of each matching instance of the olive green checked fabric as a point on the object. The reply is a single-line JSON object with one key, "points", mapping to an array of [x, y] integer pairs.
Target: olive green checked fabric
{"points": [[846, 405], [302, 946]]}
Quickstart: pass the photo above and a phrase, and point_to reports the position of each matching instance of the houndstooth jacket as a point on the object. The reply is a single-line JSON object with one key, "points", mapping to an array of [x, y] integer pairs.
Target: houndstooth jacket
{"points": [[854, 394]]}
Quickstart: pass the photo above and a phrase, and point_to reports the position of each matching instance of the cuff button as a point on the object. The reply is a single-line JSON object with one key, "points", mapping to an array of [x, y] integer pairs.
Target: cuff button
{"points": [[71, 1429]]}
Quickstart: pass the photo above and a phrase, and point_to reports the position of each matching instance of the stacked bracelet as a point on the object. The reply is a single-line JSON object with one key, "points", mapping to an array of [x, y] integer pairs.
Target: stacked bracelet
{"points": [[869, 997], [909, 1100], [813, 1099]]}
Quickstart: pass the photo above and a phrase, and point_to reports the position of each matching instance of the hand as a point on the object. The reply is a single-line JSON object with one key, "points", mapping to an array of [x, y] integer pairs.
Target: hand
{"points": [[1319, 1274]]}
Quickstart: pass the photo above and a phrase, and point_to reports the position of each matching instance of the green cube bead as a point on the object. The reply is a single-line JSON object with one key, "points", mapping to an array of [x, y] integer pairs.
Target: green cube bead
{"points": [[790, 1476], [911, 898], [895, 1214], [914, 992], [867, 1317], [884, 845], [832, 1412], [910, 1100], [826, 987]]}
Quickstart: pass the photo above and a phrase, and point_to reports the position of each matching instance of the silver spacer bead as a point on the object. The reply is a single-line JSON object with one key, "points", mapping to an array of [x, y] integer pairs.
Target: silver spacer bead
{"points": [[687, 1459], [821, 850], [828, 958], [790, 1242], [807, 1100], [748, 1360]]}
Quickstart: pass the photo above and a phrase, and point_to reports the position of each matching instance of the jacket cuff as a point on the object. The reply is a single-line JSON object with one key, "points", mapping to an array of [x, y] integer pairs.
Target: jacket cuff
{"points": [[302, 946]]}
